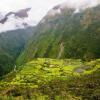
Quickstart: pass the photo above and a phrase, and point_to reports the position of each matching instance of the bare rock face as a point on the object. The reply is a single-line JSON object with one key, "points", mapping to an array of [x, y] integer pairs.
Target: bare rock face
{"points": [[3, 20], [23, 13]]}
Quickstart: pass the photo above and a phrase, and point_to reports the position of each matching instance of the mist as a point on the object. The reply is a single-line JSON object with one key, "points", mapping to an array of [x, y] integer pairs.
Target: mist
{"points": [[39, 9]]}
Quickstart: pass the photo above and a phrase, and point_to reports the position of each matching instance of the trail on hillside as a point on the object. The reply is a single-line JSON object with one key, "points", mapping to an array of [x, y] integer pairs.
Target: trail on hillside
{"points": [[61, 50]]}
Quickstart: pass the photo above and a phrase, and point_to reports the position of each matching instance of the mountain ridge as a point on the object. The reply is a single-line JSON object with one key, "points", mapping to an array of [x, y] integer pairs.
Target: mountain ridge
{"points": [[12, 44], [21, 14], [75, 31]]}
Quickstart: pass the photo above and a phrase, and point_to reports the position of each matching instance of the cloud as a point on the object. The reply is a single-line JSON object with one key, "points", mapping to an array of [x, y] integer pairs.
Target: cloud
{"points": [[39, 9]]}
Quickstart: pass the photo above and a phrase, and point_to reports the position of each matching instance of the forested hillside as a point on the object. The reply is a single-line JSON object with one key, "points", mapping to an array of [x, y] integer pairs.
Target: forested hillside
{"points": [[59, 59], [66, 34], [12, 44]]}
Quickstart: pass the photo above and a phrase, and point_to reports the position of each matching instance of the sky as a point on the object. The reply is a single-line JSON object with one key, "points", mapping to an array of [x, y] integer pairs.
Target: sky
{"points": [[39, 7], [38, 11]]}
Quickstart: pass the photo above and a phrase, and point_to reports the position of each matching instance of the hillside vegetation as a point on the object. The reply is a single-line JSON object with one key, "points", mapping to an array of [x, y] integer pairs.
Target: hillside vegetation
{"points": [[52, 79], [66, 35], [12, 44], [60, 60]]}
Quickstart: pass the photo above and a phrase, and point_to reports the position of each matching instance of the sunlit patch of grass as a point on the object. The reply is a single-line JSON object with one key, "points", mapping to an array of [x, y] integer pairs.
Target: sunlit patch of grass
{"points": [[97, 67], [69, 68], [43, 71]]}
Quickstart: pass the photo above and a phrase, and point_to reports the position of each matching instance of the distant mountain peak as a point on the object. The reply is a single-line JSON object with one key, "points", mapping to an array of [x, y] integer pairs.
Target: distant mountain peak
{"points": [[23, 13]]}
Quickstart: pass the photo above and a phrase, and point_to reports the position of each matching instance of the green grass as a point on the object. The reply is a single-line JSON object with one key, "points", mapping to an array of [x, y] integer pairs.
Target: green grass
{"points": [[47, 78]]}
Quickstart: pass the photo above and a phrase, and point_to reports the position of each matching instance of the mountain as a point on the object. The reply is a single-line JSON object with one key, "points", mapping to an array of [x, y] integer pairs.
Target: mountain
{"points": [[21, 14], [59, 59], [66, 33], [14, 20], [11, 45]]}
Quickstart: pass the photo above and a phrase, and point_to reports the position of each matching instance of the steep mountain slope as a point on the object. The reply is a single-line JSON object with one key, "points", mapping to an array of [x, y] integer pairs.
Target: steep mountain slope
{"points": [[66, 33], [11, 44]]}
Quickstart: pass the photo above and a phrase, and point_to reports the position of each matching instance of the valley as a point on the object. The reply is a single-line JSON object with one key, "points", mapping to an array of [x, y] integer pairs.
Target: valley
{"points": [[12, 43], [57, 59]]}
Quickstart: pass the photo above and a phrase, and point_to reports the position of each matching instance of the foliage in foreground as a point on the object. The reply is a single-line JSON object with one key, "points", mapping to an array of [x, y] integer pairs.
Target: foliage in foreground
{"points": [[52, 79]]}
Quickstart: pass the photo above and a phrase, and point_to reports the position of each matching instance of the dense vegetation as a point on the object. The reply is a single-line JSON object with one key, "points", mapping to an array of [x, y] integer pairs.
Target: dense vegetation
{"points": [[66, 35], [52, 79], [11, 45], [59, 62]]}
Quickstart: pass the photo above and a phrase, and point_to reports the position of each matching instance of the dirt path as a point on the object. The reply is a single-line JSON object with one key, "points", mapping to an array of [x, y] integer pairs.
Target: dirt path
{"points": [[61, 50]]}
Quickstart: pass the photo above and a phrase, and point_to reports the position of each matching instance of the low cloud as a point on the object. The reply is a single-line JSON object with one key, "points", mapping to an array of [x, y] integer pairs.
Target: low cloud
{"points": [[38, 11]]}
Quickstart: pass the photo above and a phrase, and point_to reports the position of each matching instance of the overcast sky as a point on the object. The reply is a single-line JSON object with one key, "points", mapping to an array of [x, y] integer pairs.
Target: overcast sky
{"points": [[39, 8]]}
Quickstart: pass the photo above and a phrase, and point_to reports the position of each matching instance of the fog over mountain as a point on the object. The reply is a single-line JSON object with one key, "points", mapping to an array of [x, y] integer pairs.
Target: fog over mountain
{"points": [[9, 20], [50, 50]]}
